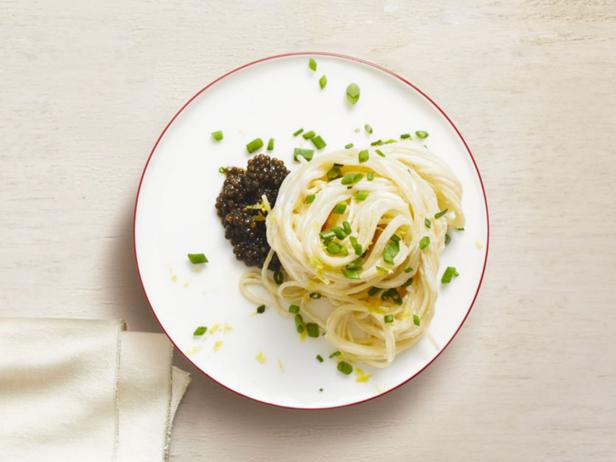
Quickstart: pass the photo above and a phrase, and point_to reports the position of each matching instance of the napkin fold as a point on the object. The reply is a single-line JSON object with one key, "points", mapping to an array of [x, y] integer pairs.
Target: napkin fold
{"points": [[85, 390]]}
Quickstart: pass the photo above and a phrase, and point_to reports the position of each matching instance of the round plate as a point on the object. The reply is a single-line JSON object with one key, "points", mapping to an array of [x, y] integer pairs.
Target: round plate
{"points": [[260, 356]]}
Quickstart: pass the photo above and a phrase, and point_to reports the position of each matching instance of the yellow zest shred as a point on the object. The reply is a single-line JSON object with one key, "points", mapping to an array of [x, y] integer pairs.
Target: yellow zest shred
{"points": [[217, 345], [260, 357]]}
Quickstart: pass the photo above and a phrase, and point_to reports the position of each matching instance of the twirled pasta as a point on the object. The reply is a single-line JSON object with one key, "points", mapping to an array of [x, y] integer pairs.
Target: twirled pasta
{"points": [[380, 286]]}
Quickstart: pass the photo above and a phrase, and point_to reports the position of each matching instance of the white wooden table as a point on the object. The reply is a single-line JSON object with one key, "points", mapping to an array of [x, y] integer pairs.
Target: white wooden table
{"points": [[86, 87]]}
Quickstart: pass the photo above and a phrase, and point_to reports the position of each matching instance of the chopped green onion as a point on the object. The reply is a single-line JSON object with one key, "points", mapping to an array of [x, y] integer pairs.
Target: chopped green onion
{"points": [[389, 318], [320, 359], [293, 309], [356, 264], [393, 295], [330, 233], [312, 329], [320, 389], [395, 238], [278, 277], [416, 320], [351, 273], [323, 81], [301, 152], [254, 145], [315, 295], [218, 135], [299, 323], [334, 248], [270, 144], [340, 208], [449, 274], [348, 146], [318, 142], [405, 136], [312, 64], [428, 223], [344, 252], [222, 169], [424, 242], [368, 129], [309, 198], [460, 229], [334, 354], [379, 152], [440, 214], [308, 135], [382, 270], [361, 195], [298, 131], [356, 246], [363, 156], [261, 309], [339, 232], [334, 173], [408, 270], [351, 178], [352, 93], [370, 176], [391, 250], [376, 143], [199, 331], [422, 135], [390, 141], [197, 258], [408, 282], [345, 367], [447, 239], [346, 226], [373, 291]]}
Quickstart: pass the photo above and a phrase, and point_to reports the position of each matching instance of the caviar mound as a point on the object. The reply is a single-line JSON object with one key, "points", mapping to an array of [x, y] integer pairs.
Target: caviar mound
{"points": [[244, 223]]}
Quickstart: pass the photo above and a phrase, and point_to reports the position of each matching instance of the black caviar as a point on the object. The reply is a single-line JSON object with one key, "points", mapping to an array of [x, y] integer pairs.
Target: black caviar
{"points": [[243, 222]]}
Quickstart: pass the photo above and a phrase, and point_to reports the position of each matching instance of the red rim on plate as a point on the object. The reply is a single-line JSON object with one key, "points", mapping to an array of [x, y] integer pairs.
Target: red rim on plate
{"points": [[348, 58]]}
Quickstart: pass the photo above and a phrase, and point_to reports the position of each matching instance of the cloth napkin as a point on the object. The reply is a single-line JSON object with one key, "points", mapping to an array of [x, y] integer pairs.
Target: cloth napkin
{"points": [[85, 390]]}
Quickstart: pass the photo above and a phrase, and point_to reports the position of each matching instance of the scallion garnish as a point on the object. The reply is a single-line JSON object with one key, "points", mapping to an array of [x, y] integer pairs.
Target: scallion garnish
{"points": [[339, 232], [334, 354], [405, 136], [368, 129], [408, 270], [254, 145], [318, 142], [334, 173], [373, 291], [320, 359], [389, 141], [340, 208], [421, 134], [293, 309], [351, 178], [301, 152], [309, 198], [356, 246], [199, 331], [308, 135], [361, 195], [424, 242], [323, 81], [197, 258], [222, 170], [352, 93], [447, 239], [218, 135], [363, 156], [449, 274], [298, 131], [345, 367], [330, 233], [333, 248], [270, 144], [428, 223], [315, 295], [388, 318], [440, 214], [393, 295], [379, 152], [299, 323], [346, 226], [370, 176], [376, 143], [408, 282], [391, 250], [460, 229], [351, 273], [348, 146], [312, 64], [278, 277], [261, 309], [312, 329], [395, 238], [416, 320]]}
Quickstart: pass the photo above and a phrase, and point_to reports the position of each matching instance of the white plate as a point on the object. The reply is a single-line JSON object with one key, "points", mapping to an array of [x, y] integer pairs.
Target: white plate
{"points": [[175, 215]]}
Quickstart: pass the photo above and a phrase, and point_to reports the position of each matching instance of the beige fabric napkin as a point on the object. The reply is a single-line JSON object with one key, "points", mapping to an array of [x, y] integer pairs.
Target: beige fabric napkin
{"points": [[85, 390]]}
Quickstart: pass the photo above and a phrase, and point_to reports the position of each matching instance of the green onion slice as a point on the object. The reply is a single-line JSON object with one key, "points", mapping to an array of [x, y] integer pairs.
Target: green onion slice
{"points": [[293, 309], [368, 129], [340, 208], [301, 152], [421, 134], [312, 64], [424, 242], [270, 144], [348, 146], [449, 274], [309, 198], [345, 367], [199, 331], [361, 195], [323, 81], [218, 135], [298, 131], [197, 258], [352, 93], [312, 329], [416, 320], [351, 178], [308, 135], [389, 318], [440, 214], [318, 142], [363, 156], [254, 145], [261, 309]]}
